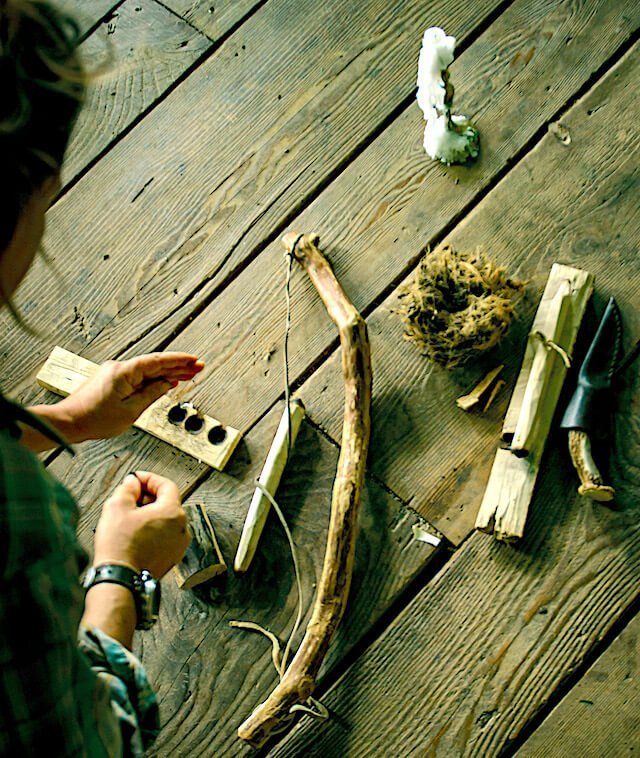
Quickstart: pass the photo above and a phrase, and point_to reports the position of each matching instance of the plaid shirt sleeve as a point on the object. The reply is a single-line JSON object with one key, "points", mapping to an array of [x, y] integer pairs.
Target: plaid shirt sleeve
{"points": [[63, 690]]}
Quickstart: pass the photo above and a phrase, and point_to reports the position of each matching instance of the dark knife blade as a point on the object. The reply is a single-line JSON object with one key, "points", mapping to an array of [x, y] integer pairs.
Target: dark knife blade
{"points": [[590, 404]]}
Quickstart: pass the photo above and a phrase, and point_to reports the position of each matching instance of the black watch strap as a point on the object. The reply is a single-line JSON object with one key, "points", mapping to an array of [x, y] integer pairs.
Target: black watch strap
{"points": [[114, 574], [145, 589]]}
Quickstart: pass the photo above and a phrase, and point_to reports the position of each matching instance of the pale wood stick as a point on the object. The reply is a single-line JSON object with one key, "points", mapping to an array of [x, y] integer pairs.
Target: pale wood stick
{"points": [[493, 394], [468, 401], [536, 401], [543, 323], [506, 500], [298, 682], [270, 479], [64, 372]]}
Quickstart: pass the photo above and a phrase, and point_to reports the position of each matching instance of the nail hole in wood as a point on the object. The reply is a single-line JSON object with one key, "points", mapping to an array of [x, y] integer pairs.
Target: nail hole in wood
{"points": [[177, 414], [217, 435], [194, 424]]}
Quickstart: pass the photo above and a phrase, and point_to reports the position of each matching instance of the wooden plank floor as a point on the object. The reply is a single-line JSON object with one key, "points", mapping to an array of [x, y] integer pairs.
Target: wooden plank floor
{"points": [[216, 127]]}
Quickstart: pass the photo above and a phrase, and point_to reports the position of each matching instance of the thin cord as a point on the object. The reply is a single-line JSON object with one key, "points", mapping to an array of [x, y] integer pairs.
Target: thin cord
{"points": [[287, 328], [312, 707], [551, 345], [294, 556]]}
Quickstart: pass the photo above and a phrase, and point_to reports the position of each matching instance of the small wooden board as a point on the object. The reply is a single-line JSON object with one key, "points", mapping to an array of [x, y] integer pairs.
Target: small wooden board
{"points": [[64, 372]]}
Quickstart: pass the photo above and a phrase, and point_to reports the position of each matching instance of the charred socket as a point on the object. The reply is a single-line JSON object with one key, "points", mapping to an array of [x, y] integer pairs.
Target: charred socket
{"points": [[185, 414]]}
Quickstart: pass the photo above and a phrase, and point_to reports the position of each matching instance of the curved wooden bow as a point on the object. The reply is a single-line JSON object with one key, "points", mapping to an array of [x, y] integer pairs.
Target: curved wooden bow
{"points": [[298, 682]]}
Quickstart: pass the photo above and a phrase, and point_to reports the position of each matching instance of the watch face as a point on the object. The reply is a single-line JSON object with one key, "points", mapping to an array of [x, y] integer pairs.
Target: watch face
{"points": [[89, 577], [149, 598]]}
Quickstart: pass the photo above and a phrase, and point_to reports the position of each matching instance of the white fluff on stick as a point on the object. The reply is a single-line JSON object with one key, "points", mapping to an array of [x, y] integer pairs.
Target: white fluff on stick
{"points": [[448, 138]]}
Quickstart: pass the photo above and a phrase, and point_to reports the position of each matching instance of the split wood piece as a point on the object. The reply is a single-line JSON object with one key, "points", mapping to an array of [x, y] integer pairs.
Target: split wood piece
{"points": [[493, 394], [547, 353], [64, 372], [466, 402], [203, 559], [298, 682], [591, 481], [505, 504], [270, 479]]}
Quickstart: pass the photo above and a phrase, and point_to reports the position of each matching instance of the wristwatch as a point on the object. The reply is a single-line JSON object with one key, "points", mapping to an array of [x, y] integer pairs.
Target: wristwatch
{"points": [[145, 589]]}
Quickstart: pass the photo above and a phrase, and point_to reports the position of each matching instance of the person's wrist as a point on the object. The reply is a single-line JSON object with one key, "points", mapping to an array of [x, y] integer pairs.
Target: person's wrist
{"points": [[107, 559], [111, 608], [75, 422], [61, 417]]}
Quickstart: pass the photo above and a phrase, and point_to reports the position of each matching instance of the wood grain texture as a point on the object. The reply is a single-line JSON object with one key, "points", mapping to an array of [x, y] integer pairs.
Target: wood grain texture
{"points": [[203, 559], [575, 204], [601, 714], [484, 645], [214, 18], [144, 49], [195, 187], [209, 677], [64, 372], [86, 12], [389, 204], [507, 497]]}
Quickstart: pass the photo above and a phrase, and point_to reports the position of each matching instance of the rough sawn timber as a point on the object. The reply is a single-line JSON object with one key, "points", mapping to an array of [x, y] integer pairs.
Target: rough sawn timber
{"points": [[196, 187], [600, 715], [138, 52], [87, 13], [425, 448], [208, 676], [213, 17], [482, 648]]}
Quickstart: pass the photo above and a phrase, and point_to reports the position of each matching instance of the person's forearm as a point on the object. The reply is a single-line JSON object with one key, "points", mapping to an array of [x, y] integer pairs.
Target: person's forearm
{"points": [[111, 608], [56, 416]]}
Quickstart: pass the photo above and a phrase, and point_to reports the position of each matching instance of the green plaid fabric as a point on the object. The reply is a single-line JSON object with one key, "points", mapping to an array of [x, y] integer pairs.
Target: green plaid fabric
{"points": [[63, 690]]}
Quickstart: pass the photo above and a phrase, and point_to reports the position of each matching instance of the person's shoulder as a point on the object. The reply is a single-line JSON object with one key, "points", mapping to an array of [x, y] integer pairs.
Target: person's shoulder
{"points": [[37, 515]]}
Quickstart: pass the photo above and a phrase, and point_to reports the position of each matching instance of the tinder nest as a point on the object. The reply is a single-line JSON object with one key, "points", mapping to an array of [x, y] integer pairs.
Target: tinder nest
{"points": [[458, 306]]}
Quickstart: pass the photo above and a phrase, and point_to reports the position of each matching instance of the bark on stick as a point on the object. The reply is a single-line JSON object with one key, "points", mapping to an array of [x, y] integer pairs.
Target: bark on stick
{"points": [[298, 682]]}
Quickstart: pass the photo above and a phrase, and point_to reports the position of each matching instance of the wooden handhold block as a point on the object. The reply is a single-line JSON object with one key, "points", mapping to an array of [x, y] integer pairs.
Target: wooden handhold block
{"points": [[203, 559], [63, 372]]}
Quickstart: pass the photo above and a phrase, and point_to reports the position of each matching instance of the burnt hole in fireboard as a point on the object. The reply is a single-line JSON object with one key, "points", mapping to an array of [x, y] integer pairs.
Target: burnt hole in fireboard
{"points": [[217, 435], [177, 414], [194, 423]]}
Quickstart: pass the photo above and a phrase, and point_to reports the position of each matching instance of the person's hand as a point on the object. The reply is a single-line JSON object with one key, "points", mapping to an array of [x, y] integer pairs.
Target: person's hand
{"points": [[152, 536], [110, 402]]}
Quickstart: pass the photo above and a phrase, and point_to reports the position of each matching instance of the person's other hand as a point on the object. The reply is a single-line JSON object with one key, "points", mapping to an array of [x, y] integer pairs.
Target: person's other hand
{"points": [[109, 402], [153, 536]]}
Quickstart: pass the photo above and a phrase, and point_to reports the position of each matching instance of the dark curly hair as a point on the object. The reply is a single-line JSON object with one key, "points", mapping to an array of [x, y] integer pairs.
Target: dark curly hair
{"points": [[41, 88]]}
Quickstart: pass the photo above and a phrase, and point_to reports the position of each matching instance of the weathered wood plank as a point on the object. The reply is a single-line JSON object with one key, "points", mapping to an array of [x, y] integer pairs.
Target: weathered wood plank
{"points": [[244, 353], [198, 184], [601, 714], [208, 676], [576, 204], [214, 18], [147, 48], [485, 644], [86, 12]]}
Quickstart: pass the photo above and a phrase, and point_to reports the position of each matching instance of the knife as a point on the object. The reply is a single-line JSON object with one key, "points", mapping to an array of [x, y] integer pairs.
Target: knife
{"points": [[587, 414]]}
